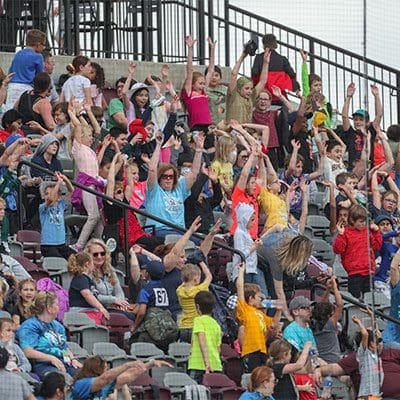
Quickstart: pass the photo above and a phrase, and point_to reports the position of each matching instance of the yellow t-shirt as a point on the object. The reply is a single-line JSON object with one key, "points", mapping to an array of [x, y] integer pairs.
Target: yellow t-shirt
{"points": [[256, 325], [274, 208], [224, 171], [186, 300]]}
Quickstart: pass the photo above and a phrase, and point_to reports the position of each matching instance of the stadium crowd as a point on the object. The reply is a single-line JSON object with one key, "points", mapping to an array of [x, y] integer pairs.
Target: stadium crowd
{"points": [[239, 163]]}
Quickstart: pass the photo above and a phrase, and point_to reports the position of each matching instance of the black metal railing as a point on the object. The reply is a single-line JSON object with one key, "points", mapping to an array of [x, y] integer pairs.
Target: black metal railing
{"points": [[153, 30], [124, 206]]}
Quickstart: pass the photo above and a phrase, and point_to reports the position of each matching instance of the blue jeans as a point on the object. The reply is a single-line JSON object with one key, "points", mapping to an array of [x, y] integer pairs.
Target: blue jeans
{"points": [[258, 279], [42, 368]]}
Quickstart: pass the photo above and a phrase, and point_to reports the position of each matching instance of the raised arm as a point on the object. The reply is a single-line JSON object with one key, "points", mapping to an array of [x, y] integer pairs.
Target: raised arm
{"points": [[389, 160], [234, 73], [376, 196], [363, 330], [127, 85], [270, 168], [337, 138], [304, 207], [293, 158], [207, 273], [207, 243], [378, 106], [192, 176], [211, 64], [276, 91], [240, 281], [305, 81], [153, 164], [190, 42], [244, 174], [345, 111], [264, 73], [301, 361]]}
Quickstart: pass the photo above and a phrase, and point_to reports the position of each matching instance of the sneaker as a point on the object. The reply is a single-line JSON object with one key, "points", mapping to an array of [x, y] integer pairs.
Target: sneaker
{"points": [[75, 247]]}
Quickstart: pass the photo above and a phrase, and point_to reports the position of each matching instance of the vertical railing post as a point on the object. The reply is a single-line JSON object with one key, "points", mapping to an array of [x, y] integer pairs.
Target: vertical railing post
{"points": [[312, 59], [76, 27], [145, 31], [397, 99], [211, 19], [201, 32], [67, 27], [159, 32], [227, 38]]}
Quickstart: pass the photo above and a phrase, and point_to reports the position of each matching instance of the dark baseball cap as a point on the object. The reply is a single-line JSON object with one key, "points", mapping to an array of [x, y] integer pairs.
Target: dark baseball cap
{"points": [[155, 268]]}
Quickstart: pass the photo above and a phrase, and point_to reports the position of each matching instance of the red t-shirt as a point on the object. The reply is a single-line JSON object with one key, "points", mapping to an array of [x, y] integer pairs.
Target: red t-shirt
{"points": [[240, 196], [302, 380]]}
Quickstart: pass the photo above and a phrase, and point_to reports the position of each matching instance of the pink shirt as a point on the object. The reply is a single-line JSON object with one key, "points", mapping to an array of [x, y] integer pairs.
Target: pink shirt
{"points": [[85, 159], [197, 108], [138, 194]]}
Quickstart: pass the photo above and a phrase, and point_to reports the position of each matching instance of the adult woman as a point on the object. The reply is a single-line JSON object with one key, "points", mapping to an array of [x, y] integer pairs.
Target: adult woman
{"points": [[35, 108], [104, 276], [43, 338], [53, 387], [95, 380], [165, 193], [282, 253], [261, 386]]}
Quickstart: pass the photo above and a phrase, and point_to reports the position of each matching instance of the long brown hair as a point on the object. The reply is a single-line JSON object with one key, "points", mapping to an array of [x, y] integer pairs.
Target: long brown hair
{"points": [[92, 367], [26, 312], [258, 376]]}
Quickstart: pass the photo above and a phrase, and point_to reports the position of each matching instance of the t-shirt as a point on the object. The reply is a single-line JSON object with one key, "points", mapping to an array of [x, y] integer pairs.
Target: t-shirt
{"points": [[303, 379], [75, 86], [79, 283], [14, 387], [168, 205], [224, 171], [298, 335], [115, 106], [81, 390], [186, 300], [370, 371], [285, 388], [26, 64], [63, 152], [212, 331], [268, 118], [256, 325], [171, 282], [47, 337], [331, 170], [197, 108], [217, 103], [154, 294], [392, 330], [238, 107], [274, 208], [52, 222], [138, 194], [328, 342]]}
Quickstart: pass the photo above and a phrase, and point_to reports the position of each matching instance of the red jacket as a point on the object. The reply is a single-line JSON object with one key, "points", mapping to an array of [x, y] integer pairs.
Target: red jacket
{"points": [[353, 249]]}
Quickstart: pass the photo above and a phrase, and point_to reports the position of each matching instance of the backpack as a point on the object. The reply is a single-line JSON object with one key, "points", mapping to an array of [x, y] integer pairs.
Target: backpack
{"points": [[48, 285], [160, 326]]}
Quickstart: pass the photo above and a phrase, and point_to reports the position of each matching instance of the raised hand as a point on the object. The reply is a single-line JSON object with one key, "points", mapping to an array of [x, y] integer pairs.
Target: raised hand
{"points": [[190, 42], [296, 144], [340, 228], [211, 43], [304, 55], [351, 89], [374, 90], [276, 91], [195, 224], [159, 137], [165, 71], [132, 68], [267, 55]]}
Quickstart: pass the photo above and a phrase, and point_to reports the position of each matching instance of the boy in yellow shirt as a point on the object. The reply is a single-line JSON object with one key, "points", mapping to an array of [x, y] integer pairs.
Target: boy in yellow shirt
{"points": [[256, 323], [186, 292]]}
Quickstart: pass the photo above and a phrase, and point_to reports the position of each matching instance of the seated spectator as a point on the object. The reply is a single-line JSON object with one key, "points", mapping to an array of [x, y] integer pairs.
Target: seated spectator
{"points": [[11, 123], [262, 383], [115, 111], [12, 386], [82, 291], [53, 387], [43, 339], [21, 310], [51, 214], [298, 332], [206, 339], [10, 266], [17, 361]]}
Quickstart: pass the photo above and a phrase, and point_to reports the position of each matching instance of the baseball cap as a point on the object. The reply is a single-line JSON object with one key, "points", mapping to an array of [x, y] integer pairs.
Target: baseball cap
{"points": [[138, 86], [299, 302], [363, 113], [155, 268], [383, 217]]}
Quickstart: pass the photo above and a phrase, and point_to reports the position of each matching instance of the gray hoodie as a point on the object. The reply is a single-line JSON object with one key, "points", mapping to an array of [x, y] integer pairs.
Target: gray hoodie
{"points": [[243, 241]]}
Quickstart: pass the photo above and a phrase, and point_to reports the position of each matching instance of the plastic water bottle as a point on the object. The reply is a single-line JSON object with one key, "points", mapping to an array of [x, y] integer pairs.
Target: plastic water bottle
{"points": [[334, 119], [327, 387], [313, 354], [268, 303]]}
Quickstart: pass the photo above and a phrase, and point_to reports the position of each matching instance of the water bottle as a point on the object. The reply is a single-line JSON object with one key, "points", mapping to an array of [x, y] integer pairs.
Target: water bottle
{"points": [[313, 354], [268, 303], [334, 119], [327, 387]]}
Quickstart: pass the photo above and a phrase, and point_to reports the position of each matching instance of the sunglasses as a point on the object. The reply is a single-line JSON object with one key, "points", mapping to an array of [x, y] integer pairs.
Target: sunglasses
{"points": [[119, 191], [167, 177], [99, 254]]}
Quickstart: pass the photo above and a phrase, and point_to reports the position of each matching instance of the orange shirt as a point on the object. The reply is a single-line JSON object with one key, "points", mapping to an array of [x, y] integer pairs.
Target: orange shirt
{"points": [[256, 325]]}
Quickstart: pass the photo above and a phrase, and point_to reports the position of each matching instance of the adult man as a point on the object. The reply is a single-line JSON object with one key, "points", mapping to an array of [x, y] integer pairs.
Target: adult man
{"points": [[349, 366], [49, 64], [297, 333]]}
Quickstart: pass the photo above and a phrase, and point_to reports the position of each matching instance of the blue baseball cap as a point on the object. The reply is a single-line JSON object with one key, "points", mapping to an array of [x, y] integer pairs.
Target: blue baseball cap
{"points": [[155, 268], [362, 113]]}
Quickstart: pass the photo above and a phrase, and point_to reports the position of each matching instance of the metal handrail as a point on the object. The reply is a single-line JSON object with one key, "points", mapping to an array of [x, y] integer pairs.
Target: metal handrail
{"points": [[124, 206]]}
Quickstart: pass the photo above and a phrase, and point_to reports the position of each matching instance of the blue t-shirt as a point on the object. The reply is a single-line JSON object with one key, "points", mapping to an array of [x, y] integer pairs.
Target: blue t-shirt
{"points": [[26, 64], [47, 337], [171, 281], [154, 294], [79, 283], [81, 390], [392, 330], [297, 336], [387, 251], [52, 222], [168, 205]]}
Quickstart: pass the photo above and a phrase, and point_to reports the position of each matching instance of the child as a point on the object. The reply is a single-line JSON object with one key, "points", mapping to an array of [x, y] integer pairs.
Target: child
{"points": [[347, 193], [369, 364], [255, 322], [51, 214], [191, 278], [26, 292], [242, 241], [193, 92], [11, 123], [97, 81], [352, 245], [62, 130], [216, 93], [17, 361], [280, 353], [26, 64], [206, 339], [78, 86]]}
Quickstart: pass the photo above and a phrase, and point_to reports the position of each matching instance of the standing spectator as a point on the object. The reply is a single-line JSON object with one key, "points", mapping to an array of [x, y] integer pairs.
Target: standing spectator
{"points": [[49, 64], [353, 246], [216, 92], [206, 339], [280, 73], [26, 63], [62, 131]]}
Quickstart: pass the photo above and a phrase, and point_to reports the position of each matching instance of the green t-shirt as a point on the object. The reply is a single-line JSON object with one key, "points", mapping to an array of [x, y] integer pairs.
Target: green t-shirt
{"points": [[209, 326], [115, 106], [217, 103]]}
